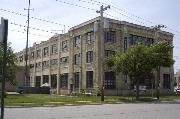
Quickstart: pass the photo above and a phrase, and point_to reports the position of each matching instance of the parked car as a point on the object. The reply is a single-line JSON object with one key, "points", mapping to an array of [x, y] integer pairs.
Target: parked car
{"points": [[177, 90], [20, 89]]}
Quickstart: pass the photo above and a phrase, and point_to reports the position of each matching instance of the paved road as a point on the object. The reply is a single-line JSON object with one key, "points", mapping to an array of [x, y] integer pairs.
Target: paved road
{"points": [[107, 111]]}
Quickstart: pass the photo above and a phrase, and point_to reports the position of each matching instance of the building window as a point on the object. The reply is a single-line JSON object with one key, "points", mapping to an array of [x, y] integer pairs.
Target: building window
{"points": [[135, 39], [89, 79], [89, 56], [45, 63], [21, 58], [32, 55], [166, 82], [16, 59], [125, 78], [77, 41], [77, 59], [125, 44], [64, 59], [90, 37], [64, 45], [54, 81], [110, 80], [109, 53], [38, 53], [76, 79], [38, 64], [149, 41], [54, 49], [64, 80], [46, 50], [38, 81], [31, 66], [54, 61], [45, 79], [110, 36]]}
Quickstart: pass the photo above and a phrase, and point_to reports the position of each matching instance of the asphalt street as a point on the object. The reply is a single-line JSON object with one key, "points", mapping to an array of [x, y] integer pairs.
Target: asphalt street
{"points": [[106, 111]]}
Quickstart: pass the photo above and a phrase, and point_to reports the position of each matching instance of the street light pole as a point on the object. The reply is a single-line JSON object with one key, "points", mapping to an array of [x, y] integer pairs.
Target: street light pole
{"points": [[101, 11]]}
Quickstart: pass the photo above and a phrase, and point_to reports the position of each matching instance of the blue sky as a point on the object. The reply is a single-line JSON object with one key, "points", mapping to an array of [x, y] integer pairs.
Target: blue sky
{"points": [[143, 12]]}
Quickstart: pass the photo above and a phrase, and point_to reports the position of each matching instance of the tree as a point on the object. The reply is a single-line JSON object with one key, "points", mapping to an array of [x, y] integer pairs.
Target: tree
{"points": [[139, 61], [11, 66], [161, 57]]}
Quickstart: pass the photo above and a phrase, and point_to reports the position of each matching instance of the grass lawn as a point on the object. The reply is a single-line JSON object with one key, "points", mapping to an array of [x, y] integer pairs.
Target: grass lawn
{"points": [[45, 99]]}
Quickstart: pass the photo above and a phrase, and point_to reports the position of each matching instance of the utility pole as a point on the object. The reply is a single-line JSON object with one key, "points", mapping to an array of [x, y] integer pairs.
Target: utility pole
{"points": [[26, 55], [3, 40], [158, 69], [101, 38]]}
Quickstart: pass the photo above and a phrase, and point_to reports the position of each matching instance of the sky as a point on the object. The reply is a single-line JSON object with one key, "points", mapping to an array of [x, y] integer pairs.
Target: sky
{"points": [[57, 16]]}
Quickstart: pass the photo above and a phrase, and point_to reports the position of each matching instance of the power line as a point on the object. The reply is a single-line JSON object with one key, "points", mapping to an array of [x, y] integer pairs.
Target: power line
{"points": [[132, 15], [33, 28], [76, 5], [40, 19], [94, 3], [29, 33]]}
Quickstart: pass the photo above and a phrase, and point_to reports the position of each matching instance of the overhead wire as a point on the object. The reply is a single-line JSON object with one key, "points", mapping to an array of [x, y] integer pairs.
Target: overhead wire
{"points": [[33, 28], [36, 18]]}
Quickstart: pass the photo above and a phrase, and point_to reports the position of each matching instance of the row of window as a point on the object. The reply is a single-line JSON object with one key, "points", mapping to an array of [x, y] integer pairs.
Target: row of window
{"points": [[135, 39], [109, 83], [77, 58], [109, 36]]}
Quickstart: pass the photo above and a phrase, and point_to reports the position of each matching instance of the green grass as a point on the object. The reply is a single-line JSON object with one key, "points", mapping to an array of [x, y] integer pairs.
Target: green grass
{"points": [[44, 99]]}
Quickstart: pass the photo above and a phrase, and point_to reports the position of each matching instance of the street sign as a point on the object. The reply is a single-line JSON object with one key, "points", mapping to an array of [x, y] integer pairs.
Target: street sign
{"points": [[2, 27]]}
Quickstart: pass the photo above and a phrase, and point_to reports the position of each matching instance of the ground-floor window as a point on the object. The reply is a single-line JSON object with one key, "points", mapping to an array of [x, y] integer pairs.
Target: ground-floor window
{"points": [[166, 81], [54, 80], [64, 80], [110, 80], [45, 79], [76, 79], [38, 81], [89, 79]]}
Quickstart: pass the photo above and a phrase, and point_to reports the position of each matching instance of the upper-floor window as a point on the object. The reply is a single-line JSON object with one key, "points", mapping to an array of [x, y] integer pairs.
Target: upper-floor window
{"points": [[77, 58], [38, 64], [89, 56], [109, 53], [54, 48], [54, 61], [16, 59], [90, 37], [149, 41], [46, 51], [64, 59], [45, 63], [77, 41], [32, 55], [64, 45], [110, 36], [31, 66], [21, 58], [135, 39], [38, 53]]}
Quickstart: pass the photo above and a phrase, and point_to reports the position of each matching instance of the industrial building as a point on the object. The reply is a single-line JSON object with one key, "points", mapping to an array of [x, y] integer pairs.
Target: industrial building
{"points": [[73, 61]]}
